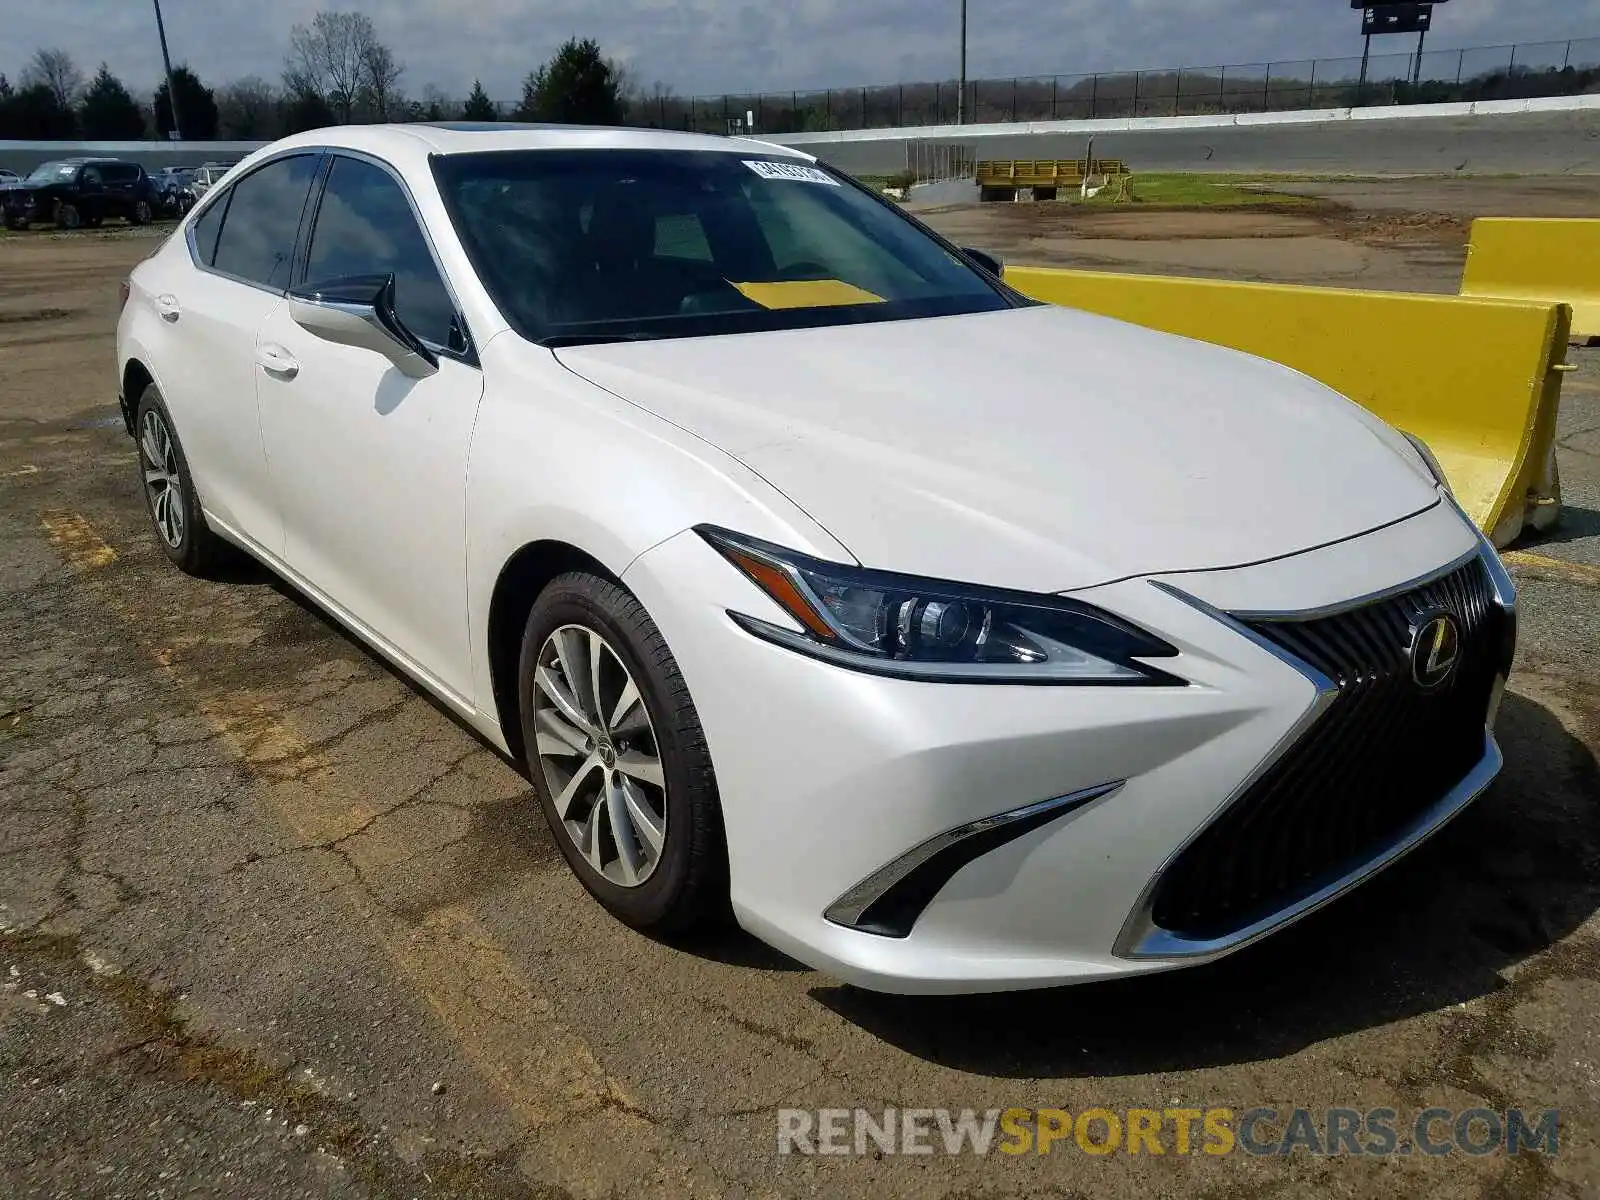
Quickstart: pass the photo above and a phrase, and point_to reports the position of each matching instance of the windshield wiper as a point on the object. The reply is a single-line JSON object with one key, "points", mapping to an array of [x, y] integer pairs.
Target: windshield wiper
{"points": [[557, 340]]}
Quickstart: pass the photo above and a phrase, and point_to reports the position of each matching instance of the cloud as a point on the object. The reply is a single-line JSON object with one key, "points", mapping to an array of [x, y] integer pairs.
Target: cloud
{"points": [[711, 46]]}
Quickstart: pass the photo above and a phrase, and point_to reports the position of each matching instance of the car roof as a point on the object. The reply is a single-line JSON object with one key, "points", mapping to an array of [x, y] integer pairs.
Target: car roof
{"points": [[466, 137]]}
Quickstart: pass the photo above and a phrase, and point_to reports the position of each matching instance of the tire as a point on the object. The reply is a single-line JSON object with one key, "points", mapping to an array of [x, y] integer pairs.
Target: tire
{"points": [[139, 214], [68, 216], [178, 523], [16, 224], [687, 884]]}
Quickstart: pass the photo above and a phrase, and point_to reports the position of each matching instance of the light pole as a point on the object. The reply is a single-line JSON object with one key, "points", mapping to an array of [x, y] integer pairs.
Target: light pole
{"points": [[172, 92], [961, 92]]}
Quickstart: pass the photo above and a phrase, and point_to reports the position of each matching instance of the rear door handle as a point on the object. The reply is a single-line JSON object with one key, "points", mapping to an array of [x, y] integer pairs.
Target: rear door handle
{"points": [[275, 360], [168, 309]]}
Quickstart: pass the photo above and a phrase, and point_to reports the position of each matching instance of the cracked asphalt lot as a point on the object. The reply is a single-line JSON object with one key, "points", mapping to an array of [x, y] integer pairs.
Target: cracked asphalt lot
{"points": [[273, 924]]}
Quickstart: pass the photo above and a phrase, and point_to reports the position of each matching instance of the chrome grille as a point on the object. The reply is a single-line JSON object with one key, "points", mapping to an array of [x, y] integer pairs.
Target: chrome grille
{"points": [[1382, 753]]}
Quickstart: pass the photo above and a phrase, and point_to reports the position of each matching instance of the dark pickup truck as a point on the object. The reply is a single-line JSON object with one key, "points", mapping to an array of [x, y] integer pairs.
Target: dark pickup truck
{"points": [[79, 191]]}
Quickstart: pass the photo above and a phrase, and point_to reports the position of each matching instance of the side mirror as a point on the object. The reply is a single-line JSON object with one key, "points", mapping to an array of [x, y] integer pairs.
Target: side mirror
{"points": [[359, 311], [985, 260]]}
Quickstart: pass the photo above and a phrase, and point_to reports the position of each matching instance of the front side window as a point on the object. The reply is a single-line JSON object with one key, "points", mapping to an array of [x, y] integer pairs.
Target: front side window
{"points": [[622, 244], [256, 241], [365, 226]]}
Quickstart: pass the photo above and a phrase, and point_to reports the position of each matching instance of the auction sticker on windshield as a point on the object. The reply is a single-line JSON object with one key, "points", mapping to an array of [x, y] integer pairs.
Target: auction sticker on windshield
{"points": [[796, 171]]}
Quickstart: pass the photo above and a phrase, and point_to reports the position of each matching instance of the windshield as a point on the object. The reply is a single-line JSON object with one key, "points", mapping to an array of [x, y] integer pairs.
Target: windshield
{"points": [[51, 171], [621, 244]]}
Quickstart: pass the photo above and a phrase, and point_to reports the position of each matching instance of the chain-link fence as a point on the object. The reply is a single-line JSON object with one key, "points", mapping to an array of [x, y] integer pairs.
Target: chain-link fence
{"points": [[1481, 73]]}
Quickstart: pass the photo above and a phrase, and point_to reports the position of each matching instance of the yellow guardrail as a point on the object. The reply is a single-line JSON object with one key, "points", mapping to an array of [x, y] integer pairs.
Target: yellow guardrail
{"points": [[1479, 380], [1554, 259]]}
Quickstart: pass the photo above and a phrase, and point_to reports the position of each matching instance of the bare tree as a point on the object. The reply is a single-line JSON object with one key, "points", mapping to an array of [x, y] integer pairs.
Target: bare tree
{"points": [[247, 108], [328, 58], [436, 106], [381, 76], [55, 69], [630, 90]]}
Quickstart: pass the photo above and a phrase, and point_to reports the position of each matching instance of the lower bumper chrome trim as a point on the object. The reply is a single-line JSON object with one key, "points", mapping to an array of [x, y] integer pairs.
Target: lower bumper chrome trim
{"points": [[889, 901]]}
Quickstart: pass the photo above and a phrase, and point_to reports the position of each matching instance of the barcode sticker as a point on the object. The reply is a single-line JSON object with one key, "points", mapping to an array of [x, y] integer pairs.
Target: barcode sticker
{"points": [[795, 171]]}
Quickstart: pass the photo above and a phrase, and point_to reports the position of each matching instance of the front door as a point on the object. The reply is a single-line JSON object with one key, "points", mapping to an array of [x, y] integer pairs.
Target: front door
{"points": [[368, 465]]}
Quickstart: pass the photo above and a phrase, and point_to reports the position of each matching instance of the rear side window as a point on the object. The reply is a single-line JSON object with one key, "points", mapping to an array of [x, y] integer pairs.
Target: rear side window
{"points": [[119, 172], [205, 230], [256, 241], [365, 226]]}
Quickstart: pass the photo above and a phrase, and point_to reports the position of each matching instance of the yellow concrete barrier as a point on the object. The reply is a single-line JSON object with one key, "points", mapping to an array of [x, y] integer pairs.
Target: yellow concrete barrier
{"points": [[1478, 380], [1554, 260]]}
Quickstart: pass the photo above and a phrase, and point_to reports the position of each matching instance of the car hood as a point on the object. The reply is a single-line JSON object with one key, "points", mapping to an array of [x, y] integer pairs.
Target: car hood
{"points": [[1039, 448]]}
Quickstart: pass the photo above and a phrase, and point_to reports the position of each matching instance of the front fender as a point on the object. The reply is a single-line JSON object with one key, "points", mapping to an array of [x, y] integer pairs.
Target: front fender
{"points": [[556, 458]]}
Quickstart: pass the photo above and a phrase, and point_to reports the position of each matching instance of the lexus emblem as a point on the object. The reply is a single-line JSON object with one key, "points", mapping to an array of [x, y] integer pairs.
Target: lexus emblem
{"points": [[1435, 650]]}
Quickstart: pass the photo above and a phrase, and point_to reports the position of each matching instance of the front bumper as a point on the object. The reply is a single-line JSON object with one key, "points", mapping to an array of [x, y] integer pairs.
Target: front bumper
{"points": [[832, 781]]}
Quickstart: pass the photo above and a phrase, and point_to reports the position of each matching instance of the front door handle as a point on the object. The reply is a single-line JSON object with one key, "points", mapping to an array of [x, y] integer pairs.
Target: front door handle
{"points": [[277, 361], [167, 308]]}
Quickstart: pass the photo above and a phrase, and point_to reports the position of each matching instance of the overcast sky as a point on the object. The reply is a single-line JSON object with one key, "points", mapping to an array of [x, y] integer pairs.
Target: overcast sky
{"points": [[712, 46]]}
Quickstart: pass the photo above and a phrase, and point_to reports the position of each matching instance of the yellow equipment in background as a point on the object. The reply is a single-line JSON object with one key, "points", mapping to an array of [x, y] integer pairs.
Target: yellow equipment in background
{"points": [[1047, 178]]}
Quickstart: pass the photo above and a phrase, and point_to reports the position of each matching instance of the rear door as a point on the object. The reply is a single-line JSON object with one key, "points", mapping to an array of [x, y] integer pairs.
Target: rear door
{"points": [[242, 247]]}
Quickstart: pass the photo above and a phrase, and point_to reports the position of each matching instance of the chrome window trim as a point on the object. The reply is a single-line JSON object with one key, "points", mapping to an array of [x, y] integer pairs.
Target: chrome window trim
{"points": [[1141, 939], [469, 357], [849, 908], [217, 195]]}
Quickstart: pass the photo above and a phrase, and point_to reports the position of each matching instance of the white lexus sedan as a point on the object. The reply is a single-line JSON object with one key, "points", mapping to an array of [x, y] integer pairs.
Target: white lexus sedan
{"points": [[950, 641]]}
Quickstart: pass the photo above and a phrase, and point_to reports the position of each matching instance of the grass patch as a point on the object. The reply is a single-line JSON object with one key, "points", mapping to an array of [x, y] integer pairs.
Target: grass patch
{"points": [[1206, 191]]}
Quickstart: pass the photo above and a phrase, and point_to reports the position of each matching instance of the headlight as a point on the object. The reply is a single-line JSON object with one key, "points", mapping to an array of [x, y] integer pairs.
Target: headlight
{"points": [[1429, 461], [925, 629]]}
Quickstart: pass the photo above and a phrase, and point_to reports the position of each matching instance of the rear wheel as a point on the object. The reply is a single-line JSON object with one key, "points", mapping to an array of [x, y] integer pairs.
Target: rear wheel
{"points": [[169, 494], [617, 756]]}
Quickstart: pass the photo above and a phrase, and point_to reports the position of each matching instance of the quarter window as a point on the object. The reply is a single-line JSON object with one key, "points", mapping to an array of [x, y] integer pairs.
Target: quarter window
{"points": [[258, 231], [205, 229], [365, 226]]}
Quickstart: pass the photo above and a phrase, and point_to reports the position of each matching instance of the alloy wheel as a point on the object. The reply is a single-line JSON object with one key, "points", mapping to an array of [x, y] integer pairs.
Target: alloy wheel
{"points": [[598, 754], [161, 480]]}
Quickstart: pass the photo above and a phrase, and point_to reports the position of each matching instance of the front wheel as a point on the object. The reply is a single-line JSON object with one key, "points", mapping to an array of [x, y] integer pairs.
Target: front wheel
{"points": [[617, 756], [68, 217], [140, 215]]}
